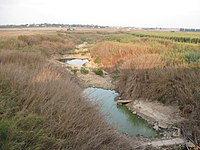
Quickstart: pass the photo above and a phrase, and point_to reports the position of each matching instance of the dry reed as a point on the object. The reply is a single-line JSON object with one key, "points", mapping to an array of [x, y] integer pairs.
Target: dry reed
{"points": [[43, 89]]}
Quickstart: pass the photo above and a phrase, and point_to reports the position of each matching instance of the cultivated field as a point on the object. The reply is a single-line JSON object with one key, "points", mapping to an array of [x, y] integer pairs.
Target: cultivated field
{"points": [[187, 37]]}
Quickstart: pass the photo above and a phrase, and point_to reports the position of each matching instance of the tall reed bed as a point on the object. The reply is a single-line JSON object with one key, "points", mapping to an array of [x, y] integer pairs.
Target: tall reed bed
{"points": [[42, 108], [48, 44], [157, 70]]}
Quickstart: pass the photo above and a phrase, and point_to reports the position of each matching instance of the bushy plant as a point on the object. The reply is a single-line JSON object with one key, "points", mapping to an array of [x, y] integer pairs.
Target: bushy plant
{"points": [[84, 70], [98, 71]]}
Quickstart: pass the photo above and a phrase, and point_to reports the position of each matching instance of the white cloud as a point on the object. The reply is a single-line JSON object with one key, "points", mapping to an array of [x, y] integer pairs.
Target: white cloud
{"points": [[145, 13]]}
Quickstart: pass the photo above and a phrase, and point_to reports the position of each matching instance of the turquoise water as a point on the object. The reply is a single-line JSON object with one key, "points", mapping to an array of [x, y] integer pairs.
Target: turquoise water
{"points": [[79, 62], [118, 115]]}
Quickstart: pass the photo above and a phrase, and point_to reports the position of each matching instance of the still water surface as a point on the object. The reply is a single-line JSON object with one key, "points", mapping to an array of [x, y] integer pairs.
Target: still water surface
{"points": [[117, 115], [79, 62]]}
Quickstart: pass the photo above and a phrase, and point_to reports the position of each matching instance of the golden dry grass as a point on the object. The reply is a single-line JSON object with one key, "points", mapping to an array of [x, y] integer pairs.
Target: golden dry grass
{"points": [[47, 42], [111, 53]]}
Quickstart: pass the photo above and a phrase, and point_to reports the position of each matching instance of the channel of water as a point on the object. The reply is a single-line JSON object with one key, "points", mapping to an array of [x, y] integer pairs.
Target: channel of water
{"points": [[118, 115]]}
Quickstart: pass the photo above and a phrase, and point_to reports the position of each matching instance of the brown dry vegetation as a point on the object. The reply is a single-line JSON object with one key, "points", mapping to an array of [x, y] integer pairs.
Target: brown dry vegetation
{"points": [[48, 44], [41, 106], [157, 69], [112, 53], [45, 110]]}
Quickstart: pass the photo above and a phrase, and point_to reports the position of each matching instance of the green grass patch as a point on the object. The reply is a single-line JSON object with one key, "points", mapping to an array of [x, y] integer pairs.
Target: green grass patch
{"points": [[97, 60], [197, 96], [123, 38], [72, 51], [4, 133], [86, 39], [25, 131], [18, 129], [192, 57]]}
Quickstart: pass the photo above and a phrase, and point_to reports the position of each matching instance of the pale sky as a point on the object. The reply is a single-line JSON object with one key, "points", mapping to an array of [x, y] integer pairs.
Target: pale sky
{"points": [[136, 13]]}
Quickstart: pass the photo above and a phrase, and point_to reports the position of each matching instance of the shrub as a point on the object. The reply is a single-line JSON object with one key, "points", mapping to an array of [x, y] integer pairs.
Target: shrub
{"points": [[98, 71], [84, 70]]}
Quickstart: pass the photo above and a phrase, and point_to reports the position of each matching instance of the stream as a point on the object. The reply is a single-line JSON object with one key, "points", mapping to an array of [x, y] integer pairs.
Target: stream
{"points": [[118, 116]]}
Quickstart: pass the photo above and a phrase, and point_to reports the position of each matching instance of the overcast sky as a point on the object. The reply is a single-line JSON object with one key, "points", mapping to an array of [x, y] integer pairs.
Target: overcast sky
{"points": [[137, 13]]}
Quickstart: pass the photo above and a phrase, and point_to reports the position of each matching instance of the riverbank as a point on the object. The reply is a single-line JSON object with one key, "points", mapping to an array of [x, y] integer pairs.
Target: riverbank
{"points": [[156, 114], [56, 46], [90, 79]]}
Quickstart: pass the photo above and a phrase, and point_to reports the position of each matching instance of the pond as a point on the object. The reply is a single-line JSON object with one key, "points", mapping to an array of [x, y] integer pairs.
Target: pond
{"points": [[118, 115], [79, 62]]}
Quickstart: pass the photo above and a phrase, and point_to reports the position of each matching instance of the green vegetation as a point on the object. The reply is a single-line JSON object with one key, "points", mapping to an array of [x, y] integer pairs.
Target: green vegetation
{"points": [[97, 60], [197, 96], [98, 71], [84, 70], [25, 131], [186, 37], [192, 57], [123, 38], [4, 129], [19, 129], [72, 51], [161, 99]]}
